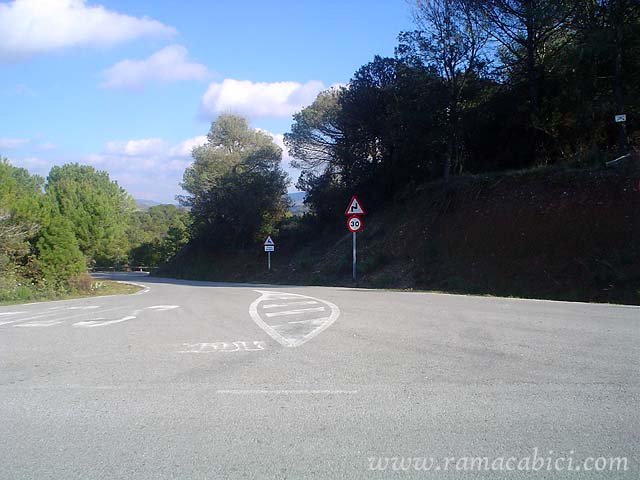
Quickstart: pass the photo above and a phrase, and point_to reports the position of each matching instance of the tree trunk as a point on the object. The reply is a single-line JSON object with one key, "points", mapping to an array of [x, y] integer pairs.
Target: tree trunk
{"points": [[618, 19], [532, 83], [451, 138]]}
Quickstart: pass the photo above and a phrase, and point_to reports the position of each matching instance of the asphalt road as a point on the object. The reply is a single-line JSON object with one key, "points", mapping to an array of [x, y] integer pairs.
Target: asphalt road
{"points": [[192, 380]]}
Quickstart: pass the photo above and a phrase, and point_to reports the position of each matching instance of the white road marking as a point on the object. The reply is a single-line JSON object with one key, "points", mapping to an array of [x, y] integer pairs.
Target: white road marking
{"points": [[145, 288], [312, 321], [95, 323], [294, 312], [287, 392], [174, 386], [89, 307], [162, 308], [34, 317], [45, 323], [10, 313], [267, 296], [278, 305], [61, 316], [238, 346]]}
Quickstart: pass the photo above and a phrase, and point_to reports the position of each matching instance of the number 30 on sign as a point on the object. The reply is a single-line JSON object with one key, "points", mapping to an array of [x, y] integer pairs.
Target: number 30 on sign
{"points": [[354, 224]]}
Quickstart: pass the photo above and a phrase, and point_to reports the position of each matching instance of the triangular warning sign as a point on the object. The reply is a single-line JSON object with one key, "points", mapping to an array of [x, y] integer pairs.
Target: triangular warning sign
{"points": [[269, 241], [355, 207]]}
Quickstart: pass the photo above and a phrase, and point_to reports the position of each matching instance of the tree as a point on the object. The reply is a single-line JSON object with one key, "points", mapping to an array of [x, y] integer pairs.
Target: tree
{"points": [[528, 33], [59, 255], [450, 40], [97, 208], [155, 235], [177, 237], [380, 133], [365, 114], [161, 227], [609, 31], [14, 248], [315, 132], [392, 117], [22, 214], [236, 187], [21, 193]]}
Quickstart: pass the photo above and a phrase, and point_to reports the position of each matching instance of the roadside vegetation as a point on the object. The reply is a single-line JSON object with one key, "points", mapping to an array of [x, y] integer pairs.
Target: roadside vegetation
{"points": [[478, 149], [52, 232], [82, 287]]}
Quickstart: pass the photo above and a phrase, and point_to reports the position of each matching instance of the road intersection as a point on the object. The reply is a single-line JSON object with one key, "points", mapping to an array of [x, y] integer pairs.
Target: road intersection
{"points": [[202, 380]]}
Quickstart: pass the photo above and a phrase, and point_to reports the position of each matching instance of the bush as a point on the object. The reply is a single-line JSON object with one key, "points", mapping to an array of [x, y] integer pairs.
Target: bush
{"points": [[59, 256], [82, 283]]}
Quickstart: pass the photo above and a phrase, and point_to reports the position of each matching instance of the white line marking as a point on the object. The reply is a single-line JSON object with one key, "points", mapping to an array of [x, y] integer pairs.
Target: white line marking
{"points": [[162, 308], [313, 321], [225, 347], [11, 313], [294, 312], [145, 288], [287, 392], [277, 305], [94, 323], [46, 323], [288, 296], [290, 342], [90, 307], [317, 321], [35, 317]]}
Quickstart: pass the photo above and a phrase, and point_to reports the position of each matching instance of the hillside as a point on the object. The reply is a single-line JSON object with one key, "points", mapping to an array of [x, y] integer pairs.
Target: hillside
{"points": [[144, 205], [555, 234]]}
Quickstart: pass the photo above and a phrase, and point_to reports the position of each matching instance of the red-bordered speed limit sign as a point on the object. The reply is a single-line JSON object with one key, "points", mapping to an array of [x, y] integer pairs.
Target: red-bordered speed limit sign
{"points": [[354, 224]]}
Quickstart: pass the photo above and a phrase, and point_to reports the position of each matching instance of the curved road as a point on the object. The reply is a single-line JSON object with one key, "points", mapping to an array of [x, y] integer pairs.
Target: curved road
{"points": [[197, 380]]}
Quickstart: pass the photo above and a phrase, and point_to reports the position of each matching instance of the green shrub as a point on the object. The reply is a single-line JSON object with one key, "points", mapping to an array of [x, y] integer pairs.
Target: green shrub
{"points": [[59, 257], [82, 283]]}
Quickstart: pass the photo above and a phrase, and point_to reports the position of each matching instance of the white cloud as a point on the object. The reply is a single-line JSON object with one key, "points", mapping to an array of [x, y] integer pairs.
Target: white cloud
{"points": [[152, 168], [11, 143], [134, 148], [35, 165], [148, 168], [278, 99], [184, 149], [46, 146], [167, 65], [30, 27]]}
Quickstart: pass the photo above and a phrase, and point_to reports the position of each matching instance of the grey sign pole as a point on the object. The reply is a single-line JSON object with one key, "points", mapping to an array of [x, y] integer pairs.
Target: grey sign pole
{"points": [[269, 260], [354, 255]]}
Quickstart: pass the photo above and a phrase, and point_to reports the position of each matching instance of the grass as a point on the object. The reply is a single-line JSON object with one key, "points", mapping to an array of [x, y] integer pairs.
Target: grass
{"points": [[98, 289]]}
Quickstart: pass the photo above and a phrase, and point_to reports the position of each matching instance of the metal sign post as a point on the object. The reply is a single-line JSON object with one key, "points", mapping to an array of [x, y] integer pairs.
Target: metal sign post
{"points": [[354, 225], [354, 257], [622, 133], [269, 246]]}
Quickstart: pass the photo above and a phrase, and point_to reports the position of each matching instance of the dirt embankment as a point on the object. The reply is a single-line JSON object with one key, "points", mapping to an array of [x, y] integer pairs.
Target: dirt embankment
{"points": [[567, 235]]}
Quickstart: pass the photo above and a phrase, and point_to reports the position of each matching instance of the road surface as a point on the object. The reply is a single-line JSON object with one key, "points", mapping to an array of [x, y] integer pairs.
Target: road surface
{"points": [[195, 380]]}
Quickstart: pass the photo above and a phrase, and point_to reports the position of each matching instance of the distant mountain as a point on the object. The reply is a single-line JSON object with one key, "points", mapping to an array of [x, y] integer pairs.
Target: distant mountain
{"points": [[142, 204], [297, 203], [297, 197]]}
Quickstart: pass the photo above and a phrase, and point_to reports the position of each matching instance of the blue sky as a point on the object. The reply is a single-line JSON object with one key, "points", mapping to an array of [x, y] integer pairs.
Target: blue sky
{"points": [[131, 87]]}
